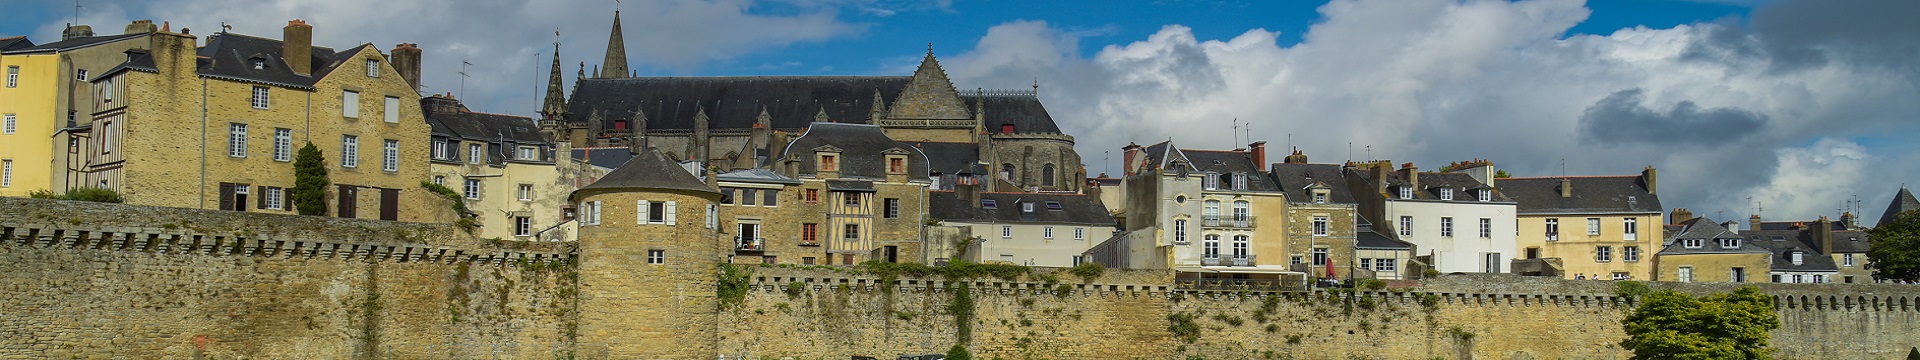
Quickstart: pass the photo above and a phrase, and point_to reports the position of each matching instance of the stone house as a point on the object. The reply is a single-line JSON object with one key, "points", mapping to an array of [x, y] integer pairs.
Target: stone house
{"points": [[1205, 214], [1457, 221], [255, 101], [1323, 223], [870, 188], [766, 218], [1034, 229], [46, 94], [1704, 251], [1603, 225], [512, 178]]}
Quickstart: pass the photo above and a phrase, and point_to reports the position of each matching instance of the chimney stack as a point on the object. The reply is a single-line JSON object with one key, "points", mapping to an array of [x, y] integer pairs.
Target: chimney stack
{"points": [[1128, 154], [297, 47], [1259, 151], [142, 27], [1412, 174], [1380, 169], [1823, 235], [1296, 158], [76, 31], [1753, 222], [406, 61], [1651, 179], [1566, 187], [1847, 219], [969, 191], [1681, 215]]}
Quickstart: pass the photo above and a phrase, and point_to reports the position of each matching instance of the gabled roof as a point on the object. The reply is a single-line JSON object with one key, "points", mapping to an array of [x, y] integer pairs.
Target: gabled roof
{"points": [[1231, 162], [650, 170], [229, 56], [1903, 201], [13, 43], [1296, 178], [1783, 243], [1464, 186], [1710, 234], [861, 147], [1591, 194], [458, 122], [62, 45], [1074, 208]]}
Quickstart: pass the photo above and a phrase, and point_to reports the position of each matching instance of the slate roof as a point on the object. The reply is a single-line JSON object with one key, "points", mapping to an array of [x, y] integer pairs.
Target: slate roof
{"points": [[1784, 242], [650, 171], [850, 185], [465, 124], [791, 102], [1710, 234], [861, 151], [1365, 237], [13, 43], [1231, 162], [952, 158], [1851, 241], [1295, 178], [1903, 201], [1463, 185], [763, 176], [61, 45], [1074, 208], [227, 56], [1591, 194], [609, 157]]}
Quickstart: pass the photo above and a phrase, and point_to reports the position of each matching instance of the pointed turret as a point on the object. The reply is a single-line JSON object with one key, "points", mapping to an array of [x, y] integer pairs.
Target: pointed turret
{"points": [[616, 63], [930, 95], [555, 109]]}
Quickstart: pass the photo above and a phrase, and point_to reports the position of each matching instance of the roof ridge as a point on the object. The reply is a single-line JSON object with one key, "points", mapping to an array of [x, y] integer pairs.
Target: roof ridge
{"points": [[1570, 177]]}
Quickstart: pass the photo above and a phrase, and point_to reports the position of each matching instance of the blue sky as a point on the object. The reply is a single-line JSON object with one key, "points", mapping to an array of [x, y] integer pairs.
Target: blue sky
{"points": [[1795, 104]]}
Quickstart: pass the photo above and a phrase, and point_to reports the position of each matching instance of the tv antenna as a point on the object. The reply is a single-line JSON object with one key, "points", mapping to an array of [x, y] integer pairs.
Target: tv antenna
{"points": [[463, 78]]}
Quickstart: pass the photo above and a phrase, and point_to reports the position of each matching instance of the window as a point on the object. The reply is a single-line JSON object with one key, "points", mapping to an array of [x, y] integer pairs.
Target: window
{"points": [[526, 192], [1079, 233], [1846, 260], [9, 126], [813, 197], [1738, 274], [658, 212], [1047, 233], [1621, 275], [1241, 216], [1320, 257], [1685, 274], [1320, 225], [390, 155], [1210, 212], [1486, 228], [1366, 263], [827, 163], [1319, 198], [107, 137], [1795, 257], [1385, 265], [893, 208], [1406, 192], [896, 165], [656, 257], [591, 212], [850, 198], [1630, 253], [1593, 226], [1180, 231], [273, 198], [1485, 195], [1210, 246], [440, 180], [1603, 253], [806, 260], [1240, 246], [1630, 229], [1406, 226], [1730, 243], [392, 111], [713, 216], [1006, 232], [528, 153], [852, 232], [1818, 279], [522, 226], [350, 103], [6, 173], [1491, 263], [1046, 175], [474, 156], [237, 140], [473, 189], [1054, 206], [809, 234], [349, 151], [989, 204], [1693, 243], [1212, 182], [1446, 227], [13, 76], [1446, 194], [440, 150], [1553, 229], [1006, 172], [282, 144], [770, 197], [373, 68], [260, 99]]}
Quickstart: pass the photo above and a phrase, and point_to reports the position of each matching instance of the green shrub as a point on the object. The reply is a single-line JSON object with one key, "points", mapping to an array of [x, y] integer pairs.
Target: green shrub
{"points": [[958, 353], [1631, 289], [1373, 284], [794, 289], [84, 193], [310, 182], [1088, 271]]}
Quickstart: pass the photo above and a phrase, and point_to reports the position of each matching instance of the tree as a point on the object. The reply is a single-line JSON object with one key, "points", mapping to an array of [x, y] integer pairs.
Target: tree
{"points": [[1502, 174], [1894, 253], [1672, 325], [958, 353], [310, 181]]}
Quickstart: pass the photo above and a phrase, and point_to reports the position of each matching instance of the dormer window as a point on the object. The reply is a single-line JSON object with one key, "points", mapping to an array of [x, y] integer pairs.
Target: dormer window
{"points": [[1733, 243], [1026, 207], [1212, 182], [1795, 256], [1693, 243], [258, 63], [1486, 195], [1446, 194], [896, 164], [989, 204], [1406, 192], [829, 163], [1320, 197], [1239, 181]]}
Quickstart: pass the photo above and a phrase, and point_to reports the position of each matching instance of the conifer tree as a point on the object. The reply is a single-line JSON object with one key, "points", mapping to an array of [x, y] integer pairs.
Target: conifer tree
{"points": [[310, 181]]}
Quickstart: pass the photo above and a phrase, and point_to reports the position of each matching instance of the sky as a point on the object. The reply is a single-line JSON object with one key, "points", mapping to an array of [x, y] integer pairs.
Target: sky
{"points": [[1786, 108]]}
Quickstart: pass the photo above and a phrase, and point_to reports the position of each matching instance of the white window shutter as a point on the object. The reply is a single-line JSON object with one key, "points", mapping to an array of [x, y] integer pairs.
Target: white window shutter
{"points": [[596, 212], [713, 216], [644, 206], [670, 211]]}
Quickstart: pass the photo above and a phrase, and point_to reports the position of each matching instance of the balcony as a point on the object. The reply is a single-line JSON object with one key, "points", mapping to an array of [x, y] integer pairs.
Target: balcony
{"points": [[1230, 260], [754, 244], [1230, 222]]}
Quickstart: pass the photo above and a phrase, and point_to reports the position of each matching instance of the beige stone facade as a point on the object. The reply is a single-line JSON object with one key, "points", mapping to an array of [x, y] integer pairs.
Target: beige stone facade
{"points": [[666, 268], [1743, 267], [1578, 248]]}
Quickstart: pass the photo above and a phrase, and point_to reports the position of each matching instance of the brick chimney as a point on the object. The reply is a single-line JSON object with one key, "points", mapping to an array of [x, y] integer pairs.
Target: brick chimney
{"points": [[1753, 222], [142, 27], [1566, 187], [1258, 150], [1681, 215], [1411, 174], [1823, 235], [1128, 154], [297, 47], [1649, 176], [406, 61]]}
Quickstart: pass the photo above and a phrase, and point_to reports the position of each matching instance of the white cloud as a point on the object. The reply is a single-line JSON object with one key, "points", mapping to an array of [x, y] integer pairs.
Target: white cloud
{"points": [[1436, 81]]}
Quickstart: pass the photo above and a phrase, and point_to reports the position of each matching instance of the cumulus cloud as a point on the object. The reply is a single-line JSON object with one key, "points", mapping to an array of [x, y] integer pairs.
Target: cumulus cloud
{"points": [[1729, 111]]}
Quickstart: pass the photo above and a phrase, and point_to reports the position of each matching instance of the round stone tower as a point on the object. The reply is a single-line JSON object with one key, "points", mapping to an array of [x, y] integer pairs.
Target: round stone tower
{"points": [[649, 252]]}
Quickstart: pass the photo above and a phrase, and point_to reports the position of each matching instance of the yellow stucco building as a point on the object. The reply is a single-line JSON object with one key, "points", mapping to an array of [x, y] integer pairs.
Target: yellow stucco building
{"points": [[1597, 226], [44, 83], [1703, 251]]}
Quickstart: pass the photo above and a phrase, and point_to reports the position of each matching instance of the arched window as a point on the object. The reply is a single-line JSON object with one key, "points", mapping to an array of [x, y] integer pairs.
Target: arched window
{"points": [[1210, 246], [1046, 175], [1240, 245], [1241, 213], [1006, 172]]}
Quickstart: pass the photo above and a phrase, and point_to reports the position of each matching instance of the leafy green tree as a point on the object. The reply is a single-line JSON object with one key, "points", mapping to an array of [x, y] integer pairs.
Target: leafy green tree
{"points": [[310, 181], [1502, 174], [1895, 251], [1672, 325]]}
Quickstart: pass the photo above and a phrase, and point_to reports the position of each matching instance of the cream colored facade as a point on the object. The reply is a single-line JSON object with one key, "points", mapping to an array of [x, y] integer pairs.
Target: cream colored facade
{"points": [[174, 136], [1033, 244], [1751, 267], [1578, 248], [501, 202], [41, 89]]}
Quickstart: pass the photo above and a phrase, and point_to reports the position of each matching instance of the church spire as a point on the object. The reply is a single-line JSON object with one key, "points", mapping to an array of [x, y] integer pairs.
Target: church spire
{"points": [[556, 105], [616, 63]]}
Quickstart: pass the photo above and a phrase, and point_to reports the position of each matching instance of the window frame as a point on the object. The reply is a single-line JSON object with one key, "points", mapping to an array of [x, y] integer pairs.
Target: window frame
{"points": [[1006, 231], [1446, 194], [656, 257], [1630, 253], [1553, 229], [6, 173], [1046, 232], [891, 208], [373, 68], [522, 226], [262, 97], [1486, 228], [282, 144], [1406, 192], [471, 188], [391, 110], [350, 104], [13, 76], [1079, 233], [237, 140], [1630, 229], [1322, 225], [1593, 226], [350, 151], [1210, 246], [1485, 195], [1603, 253], [1406, 225], [1446, 226], [526, 153], [1180, 231], [390, 155], [476, 153], [12, 124], [525, 191]]}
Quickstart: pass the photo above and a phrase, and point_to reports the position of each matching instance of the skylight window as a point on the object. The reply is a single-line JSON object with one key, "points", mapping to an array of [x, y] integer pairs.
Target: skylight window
{"points": [[988, 204], [1053, 205]]}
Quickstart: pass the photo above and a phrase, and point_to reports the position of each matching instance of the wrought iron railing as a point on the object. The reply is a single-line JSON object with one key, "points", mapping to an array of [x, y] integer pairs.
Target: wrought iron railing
{"points": [[1242, 222]]}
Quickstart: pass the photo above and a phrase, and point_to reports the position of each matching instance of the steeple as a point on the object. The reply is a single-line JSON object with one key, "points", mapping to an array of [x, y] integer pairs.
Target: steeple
{"points": [[616, 63], [555, 109]]}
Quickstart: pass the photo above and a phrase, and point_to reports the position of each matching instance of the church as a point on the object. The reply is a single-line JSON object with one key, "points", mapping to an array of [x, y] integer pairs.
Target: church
{"points": [[1001, 139]]}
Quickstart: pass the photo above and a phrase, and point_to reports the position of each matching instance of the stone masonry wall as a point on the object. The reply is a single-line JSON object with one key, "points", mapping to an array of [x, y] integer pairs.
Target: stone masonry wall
{"points": [[85, 280]]}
